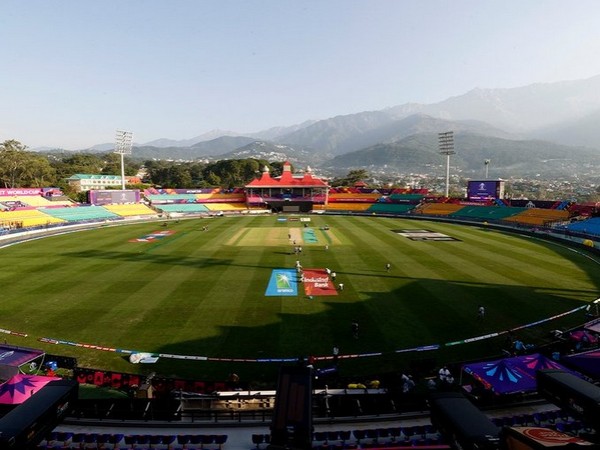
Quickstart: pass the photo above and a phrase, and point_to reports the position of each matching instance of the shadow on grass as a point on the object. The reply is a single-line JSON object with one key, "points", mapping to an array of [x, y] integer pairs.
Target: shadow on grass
{"points": [[423, 313]]}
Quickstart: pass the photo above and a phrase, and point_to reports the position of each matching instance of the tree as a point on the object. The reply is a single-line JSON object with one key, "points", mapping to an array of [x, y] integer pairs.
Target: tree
{"points": [[352, 177], [13, 164], [112, 165], [20, 168], [39, 172], [79, 163]]}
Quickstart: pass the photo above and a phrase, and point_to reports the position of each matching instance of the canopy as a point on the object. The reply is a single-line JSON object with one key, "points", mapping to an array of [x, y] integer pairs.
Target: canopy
{"points": [[20, 387], [588, 362], [511, 375], [13, 357], [583, 336]]}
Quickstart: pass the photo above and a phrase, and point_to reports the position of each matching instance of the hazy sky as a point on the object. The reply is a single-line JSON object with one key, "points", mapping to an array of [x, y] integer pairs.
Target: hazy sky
{"points": [[75, 71]]}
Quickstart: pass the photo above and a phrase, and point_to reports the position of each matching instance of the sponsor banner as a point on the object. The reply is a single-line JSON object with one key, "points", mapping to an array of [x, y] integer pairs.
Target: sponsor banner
{"points": [[317, 282], [283, 282], [98, 197], [153, 236], [547, 437], [281, 219], [9, 192]]}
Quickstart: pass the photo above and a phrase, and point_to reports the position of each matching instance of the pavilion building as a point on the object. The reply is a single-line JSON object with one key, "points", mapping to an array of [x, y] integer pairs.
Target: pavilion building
{"points": [[287, 193]]}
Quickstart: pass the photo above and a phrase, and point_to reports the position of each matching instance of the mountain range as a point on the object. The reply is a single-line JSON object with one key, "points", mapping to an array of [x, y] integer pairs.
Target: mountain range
{"points": [[549, 128]]}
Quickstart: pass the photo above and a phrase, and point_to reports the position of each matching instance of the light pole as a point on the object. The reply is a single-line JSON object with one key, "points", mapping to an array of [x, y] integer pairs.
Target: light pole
{"points": [[123, 144], [487, 165], [446, 147]]}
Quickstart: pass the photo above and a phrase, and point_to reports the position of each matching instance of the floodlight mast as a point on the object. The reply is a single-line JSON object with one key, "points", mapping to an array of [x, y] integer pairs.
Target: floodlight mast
{"points": [[487, 165], [123, 144], [446, 147]]}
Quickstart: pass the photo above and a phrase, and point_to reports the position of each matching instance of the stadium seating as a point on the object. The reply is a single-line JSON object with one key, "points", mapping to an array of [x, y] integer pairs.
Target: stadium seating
{"points": [[183, 208], [342, 206], [438, 209], [391, 208], [171, 198], [226, 206], [130, 210], [32, 200], [539, 216], [354, 197], [27, 218], [407, 198], [495, 213], [589, 226], [79, 213]]}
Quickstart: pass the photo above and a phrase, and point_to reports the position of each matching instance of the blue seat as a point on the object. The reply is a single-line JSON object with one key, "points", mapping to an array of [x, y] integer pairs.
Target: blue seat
{"points": [[257, 439], [395, 433], [333, 436], [320, 437], [184, 439], [359, 435], [78, 439], [220, 440], [345, 436], [115, 438]]}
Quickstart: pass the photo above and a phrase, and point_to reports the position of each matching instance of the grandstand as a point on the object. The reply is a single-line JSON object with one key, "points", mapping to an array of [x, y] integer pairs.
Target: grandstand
{"points": [[391, 208], [226, 206], [32, 200], [183, 208], [25, 218], [131, 210], [539, 216], [495, 213], [348, 207], [377, 436], [80, 213], [589, 226], [438, 209]]}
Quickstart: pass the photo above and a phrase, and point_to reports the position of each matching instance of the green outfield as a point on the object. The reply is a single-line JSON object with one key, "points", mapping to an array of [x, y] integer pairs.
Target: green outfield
{"points": [[202, 292]]}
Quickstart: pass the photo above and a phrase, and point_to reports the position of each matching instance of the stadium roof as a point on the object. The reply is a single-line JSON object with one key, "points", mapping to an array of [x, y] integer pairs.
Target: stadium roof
{"points": [[287, 179]]}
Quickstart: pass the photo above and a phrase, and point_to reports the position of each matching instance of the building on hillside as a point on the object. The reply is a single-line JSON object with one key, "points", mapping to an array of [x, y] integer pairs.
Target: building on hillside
{"points": [[287, 193], [87, 182]]}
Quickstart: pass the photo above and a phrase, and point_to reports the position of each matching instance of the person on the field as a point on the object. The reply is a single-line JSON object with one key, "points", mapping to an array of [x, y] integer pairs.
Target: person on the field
{"points": [[336, 353], [388, 267], [481, 312], [354, 327]]}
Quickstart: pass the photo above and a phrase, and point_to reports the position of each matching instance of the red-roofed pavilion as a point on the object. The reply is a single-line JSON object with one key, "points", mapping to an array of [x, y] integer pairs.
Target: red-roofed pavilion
{"points": [[287, 193]]}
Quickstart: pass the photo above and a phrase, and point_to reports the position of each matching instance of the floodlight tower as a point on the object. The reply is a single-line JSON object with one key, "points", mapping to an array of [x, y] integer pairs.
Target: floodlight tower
{"points": [[123, 144], [446, 147], [487, 165]]}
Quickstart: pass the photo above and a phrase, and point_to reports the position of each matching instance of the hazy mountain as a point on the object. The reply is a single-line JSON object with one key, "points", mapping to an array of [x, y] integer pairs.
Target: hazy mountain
{"points": [[523, 108], [344, 134], [101, 148], [273, 152], [498, 122], [517, 110], [419, 153], [274, 133], [208, 136], [221, 145], [583, 131]]}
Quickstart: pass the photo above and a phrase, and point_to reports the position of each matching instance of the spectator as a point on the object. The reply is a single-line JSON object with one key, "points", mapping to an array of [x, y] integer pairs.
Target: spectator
{"points": [[444, 373]]}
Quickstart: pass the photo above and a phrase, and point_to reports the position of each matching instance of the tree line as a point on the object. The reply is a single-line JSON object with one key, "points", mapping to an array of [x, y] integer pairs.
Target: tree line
{"points": [[22, 168]]}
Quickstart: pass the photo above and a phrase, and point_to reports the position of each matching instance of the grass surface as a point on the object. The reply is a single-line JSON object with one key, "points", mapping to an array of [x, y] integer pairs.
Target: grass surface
{"points": [[202, 292]]}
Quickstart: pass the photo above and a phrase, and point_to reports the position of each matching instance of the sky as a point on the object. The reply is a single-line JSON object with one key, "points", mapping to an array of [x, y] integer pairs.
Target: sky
{"points": [[75, 71]]}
